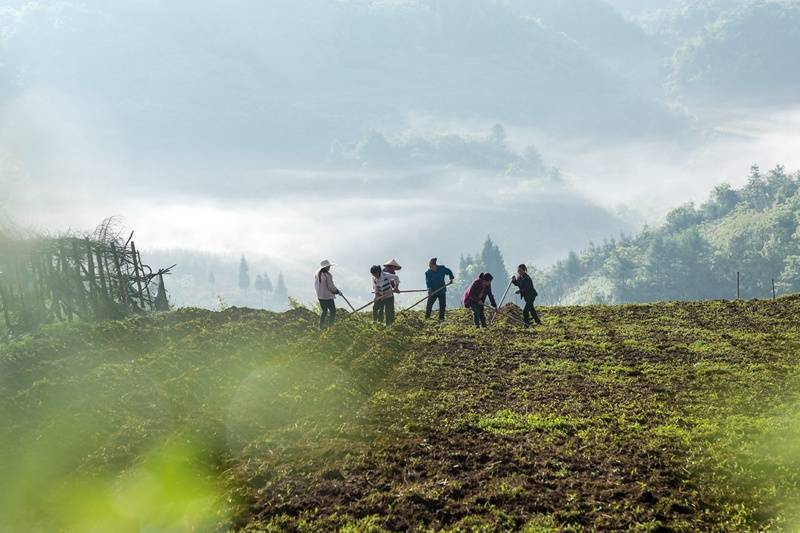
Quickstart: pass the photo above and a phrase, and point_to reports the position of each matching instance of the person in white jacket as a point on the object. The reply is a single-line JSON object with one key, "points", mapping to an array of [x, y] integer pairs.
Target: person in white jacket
{"points": [[326, 292]]}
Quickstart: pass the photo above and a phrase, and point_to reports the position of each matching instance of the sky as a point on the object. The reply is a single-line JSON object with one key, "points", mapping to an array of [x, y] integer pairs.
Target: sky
{"points": [[361, 131]]}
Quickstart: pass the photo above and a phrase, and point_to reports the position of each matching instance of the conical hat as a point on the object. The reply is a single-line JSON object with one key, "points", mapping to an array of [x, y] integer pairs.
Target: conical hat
{"points": [[393, 263]]}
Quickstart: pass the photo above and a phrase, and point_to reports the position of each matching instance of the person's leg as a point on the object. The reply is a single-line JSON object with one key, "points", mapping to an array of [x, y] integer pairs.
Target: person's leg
{"points": [[377, 312], [535, 314], [526, 313], [332, 316], [442, 304], [324, 306], [482, 315], [429, 306], [389, 310], [476, 313]]}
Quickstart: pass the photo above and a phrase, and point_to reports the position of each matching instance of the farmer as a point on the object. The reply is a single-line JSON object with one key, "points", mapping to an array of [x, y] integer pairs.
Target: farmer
{"points": [[437, 289], [528, 293], [474, 298], [385, 283], [326, 292]]}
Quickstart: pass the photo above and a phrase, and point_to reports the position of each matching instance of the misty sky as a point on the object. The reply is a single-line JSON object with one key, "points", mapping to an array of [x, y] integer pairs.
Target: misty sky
{"points": [[363, 130]]}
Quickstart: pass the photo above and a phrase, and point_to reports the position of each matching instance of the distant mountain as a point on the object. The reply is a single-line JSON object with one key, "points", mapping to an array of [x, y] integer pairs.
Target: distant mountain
{"points": [[697, 253], [747, 54], [287, 77]]}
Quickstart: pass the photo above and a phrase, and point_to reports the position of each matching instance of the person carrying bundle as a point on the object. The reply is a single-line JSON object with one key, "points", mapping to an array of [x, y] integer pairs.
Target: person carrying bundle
{"points": [[528, 293], [385, 283], [474, 298]]}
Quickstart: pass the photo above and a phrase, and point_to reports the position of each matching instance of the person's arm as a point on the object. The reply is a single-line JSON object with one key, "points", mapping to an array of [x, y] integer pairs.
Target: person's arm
{"points": [[515, 281], [491, 298], [428, 281], [448, 272], [396, 283], [331, 286]]}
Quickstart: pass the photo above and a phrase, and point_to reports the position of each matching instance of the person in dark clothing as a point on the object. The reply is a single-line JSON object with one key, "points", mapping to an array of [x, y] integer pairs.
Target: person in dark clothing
{"points": [[474, 298], [528, 293], [437, 288]]}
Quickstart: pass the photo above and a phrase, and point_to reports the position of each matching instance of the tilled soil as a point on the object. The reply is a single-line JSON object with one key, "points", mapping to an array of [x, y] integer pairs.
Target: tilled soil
{"points": [[568, 426]]}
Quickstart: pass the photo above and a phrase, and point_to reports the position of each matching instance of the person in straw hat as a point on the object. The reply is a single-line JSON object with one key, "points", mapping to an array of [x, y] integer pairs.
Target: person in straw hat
{"points": [[385, 287], [326, 292]]}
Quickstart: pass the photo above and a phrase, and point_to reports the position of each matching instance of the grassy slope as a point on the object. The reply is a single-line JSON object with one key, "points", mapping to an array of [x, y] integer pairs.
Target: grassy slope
{"points": [[677, 415]]}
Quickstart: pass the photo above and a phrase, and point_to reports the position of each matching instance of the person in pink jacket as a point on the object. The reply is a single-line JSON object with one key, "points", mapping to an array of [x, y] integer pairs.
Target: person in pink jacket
{"points": [[474, 298]]}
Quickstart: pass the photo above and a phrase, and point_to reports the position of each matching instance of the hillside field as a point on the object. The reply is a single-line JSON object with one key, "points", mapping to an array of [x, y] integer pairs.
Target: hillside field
{"points": [[663, 417]]}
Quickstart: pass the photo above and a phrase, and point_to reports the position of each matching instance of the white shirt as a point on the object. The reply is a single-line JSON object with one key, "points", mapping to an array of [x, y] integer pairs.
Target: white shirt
{"points": [[323, 284], [384, 285]]}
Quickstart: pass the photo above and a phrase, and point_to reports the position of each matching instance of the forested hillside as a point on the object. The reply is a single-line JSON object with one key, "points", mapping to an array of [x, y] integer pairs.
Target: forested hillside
{"points": [[697, 252]]}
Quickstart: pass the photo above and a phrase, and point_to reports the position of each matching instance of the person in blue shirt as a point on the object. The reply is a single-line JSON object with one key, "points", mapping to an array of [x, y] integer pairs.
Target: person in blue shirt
{"points": [[437, 289]]}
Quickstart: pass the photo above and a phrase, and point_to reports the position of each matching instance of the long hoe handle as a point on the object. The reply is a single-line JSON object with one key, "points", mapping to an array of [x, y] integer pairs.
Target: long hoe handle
{"points": [[503, 299], [440, 289]]}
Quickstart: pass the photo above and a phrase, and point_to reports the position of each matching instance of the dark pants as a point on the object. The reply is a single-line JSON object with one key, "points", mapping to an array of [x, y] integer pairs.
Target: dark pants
{"points": [[529, 312], [477, 314], [329, 312], [442, 297], [384, 309]]}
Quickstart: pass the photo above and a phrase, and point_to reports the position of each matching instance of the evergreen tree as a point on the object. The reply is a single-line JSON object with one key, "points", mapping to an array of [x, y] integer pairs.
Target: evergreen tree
{"points": [[491, 260], [281, 295], [756, 192], [573, 267], [267, 283], [244, 274], [259, 284]]}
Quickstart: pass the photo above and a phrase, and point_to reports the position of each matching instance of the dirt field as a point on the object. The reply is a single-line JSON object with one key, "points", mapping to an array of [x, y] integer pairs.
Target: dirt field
{"points": [[667, 417]]}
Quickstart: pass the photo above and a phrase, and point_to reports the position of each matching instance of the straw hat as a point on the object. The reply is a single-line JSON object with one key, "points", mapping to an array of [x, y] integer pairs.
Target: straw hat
{"points": [[324, 264], [392, 263]]}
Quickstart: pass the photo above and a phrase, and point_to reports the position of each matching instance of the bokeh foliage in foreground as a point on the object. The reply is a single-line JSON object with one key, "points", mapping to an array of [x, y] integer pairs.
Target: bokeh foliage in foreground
{"points": [[677, 415]]}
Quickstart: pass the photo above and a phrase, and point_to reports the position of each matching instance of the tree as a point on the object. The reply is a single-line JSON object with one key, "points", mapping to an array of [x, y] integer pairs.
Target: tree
{"points": [[723, 201], [244, 274], [573, 269], [789, 280], [281, 294], [267, 283], [683, 217], [498, 135], [781, 186], [491, 260], [756, 193]]}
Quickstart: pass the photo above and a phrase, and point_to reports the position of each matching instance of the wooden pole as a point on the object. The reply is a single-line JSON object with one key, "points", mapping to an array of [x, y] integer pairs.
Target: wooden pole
{"points": [[123, 284], [363, 307], [431, 295], [147, 282], [737, 286], [503, 299], [348, 302], [92, 277], [137, 277], [498, 312], [79, 286], [773, 290]]}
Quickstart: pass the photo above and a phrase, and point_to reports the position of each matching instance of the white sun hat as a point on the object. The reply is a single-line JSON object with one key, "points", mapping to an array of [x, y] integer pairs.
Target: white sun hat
{"points": [[324, 264], [393, 263]]}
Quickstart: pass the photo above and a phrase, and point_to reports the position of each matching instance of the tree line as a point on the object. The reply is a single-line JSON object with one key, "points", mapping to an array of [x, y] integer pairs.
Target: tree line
{"points": [[695, 254]]}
